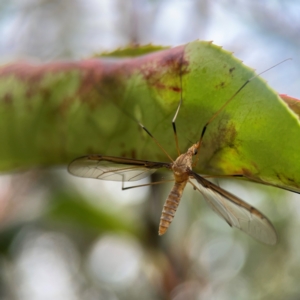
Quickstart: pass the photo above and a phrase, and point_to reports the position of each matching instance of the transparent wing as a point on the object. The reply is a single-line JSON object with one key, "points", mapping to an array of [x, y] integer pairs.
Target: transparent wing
{"points": [[236, 212], [113, 168]]}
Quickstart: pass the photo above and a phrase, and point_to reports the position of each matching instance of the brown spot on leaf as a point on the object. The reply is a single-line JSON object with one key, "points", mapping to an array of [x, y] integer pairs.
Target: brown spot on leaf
{"points": [[247, 172], [224, 136], [231, 70], [64, 106], [102, 82], [286, 180], [124, 154], [133, 153], [220, 85], [7, 98], [166, 68], [176, 89], [227, 134]]}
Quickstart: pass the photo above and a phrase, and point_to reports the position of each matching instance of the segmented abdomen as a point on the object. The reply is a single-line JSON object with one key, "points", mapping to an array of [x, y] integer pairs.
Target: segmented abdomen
{"points": [[170, 206]]}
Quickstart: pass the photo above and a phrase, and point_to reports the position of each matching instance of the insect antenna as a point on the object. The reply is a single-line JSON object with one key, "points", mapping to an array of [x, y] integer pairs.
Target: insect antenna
{"points": [[155, 140], [178, 108], [226, 103]]}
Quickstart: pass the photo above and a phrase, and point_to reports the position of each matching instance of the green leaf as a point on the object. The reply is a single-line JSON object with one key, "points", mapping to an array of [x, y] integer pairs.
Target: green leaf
{"points": [[52, 113], [132, 51]]}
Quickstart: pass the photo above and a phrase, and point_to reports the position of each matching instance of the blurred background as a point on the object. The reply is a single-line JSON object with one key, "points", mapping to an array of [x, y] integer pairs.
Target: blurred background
{"points": [[70, 238]]}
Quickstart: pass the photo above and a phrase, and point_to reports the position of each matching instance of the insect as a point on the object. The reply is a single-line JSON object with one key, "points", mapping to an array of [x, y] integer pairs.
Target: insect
{"points": [[233, 210]]}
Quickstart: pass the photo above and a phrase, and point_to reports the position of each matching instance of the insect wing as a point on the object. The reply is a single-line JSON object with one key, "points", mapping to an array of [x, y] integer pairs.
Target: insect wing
{"points": [[113, 168], [236, 212]]}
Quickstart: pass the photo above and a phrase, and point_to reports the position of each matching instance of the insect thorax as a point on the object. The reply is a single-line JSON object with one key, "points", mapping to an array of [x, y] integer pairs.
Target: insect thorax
{"points": [[181, 166]]}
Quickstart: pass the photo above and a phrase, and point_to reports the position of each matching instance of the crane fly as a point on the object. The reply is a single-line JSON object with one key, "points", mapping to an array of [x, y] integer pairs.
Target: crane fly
{"points": [[233, 210]]}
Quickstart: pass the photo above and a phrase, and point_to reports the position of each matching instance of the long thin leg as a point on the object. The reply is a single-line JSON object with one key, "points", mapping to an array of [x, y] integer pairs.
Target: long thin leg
{"points": [[143, 127], [175, 116], [173, 121], [174, 126], [225, 104], [156, 141], [146, 184]]}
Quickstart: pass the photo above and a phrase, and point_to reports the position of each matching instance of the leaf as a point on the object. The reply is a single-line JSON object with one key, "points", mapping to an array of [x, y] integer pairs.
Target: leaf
{"points": [[132, 51], [52, 113], [293, 103]]}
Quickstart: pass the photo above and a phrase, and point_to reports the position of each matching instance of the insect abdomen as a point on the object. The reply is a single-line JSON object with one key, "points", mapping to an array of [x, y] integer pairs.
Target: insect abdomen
{"points": [[170, 206]]}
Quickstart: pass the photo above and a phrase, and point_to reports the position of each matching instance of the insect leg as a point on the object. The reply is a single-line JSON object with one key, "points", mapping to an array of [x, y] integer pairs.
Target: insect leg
{"points": [[155, 140], [146, 184], [175, 116], [225, 104]]}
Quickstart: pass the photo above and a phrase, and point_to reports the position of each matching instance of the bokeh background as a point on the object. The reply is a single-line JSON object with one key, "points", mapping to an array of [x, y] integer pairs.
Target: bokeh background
{"points": [[70, 238]]}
